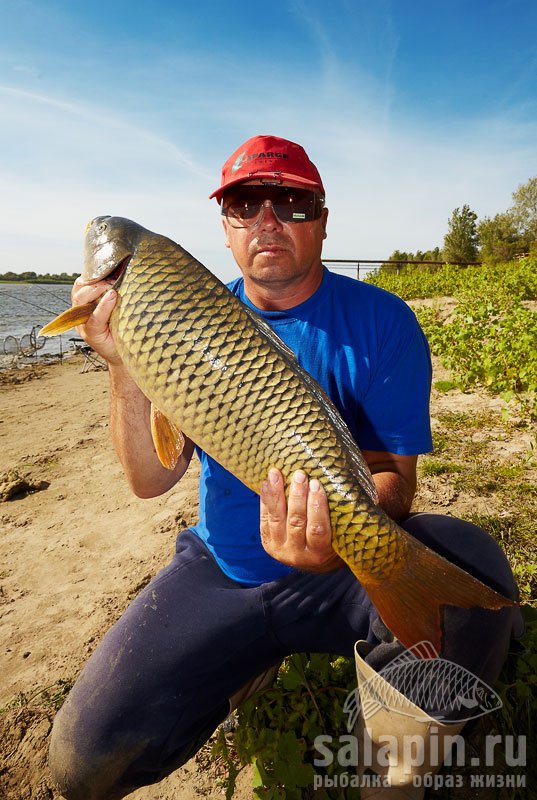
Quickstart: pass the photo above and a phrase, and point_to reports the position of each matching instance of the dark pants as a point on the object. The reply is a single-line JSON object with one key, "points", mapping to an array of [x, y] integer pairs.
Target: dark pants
{"points": [[158, 684]]}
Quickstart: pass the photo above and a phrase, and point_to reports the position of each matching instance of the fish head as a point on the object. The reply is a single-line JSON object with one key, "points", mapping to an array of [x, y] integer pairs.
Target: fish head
{"points": [[109, 244], [486, 698]]}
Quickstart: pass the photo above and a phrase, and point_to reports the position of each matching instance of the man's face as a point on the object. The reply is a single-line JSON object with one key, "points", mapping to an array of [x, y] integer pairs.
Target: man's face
{"points": [[274, 252]]}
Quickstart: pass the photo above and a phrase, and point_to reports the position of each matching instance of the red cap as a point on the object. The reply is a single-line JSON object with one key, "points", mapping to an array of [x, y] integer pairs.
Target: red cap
{"points": [[269, 157]]}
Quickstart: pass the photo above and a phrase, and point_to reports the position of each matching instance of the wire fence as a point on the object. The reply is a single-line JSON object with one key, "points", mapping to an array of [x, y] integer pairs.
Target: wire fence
{"points": [[367, 266]]}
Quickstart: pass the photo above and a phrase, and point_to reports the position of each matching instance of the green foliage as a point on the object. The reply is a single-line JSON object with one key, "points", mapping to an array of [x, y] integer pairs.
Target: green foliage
{"points": [[489, 339], [487, 345], [499, 238], [401, 260], [33, 277], [524, 209], [421, 280], [277, 727], [461, 240], [432, 466], [445, 386]]}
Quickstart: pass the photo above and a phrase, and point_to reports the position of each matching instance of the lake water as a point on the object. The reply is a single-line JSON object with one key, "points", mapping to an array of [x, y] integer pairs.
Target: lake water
{"points": [[25, 306]]}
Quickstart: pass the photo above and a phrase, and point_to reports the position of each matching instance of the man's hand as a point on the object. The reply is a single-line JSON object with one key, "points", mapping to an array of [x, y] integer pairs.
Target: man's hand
{"points": [[299, 533], [96, 331]]}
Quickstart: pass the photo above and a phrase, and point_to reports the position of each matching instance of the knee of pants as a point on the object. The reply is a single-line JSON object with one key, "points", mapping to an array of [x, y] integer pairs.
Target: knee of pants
{"points": [[88, 761], [81, 770]]}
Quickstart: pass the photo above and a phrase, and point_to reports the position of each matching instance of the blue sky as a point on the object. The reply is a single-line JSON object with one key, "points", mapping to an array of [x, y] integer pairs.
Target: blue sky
{"points": [[408, 108]]}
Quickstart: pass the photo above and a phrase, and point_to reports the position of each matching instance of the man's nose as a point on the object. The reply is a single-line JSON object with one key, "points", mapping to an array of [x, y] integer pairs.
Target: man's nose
{"points": [[267, 216]]}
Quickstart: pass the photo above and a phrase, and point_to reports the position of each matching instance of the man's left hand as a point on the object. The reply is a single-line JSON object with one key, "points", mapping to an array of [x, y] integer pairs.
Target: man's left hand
{"points": [[297, 533]]}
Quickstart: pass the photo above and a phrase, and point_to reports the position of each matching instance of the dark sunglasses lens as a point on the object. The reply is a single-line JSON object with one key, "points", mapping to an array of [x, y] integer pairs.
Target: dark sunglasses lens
{"points": [[243, 205]]}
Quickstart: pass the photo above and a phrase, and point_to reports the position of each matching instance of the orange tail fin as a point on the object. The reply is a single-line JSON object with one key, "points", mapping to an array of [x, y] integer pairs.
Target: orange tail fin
{"points": [[410, 600], [77, 315]]}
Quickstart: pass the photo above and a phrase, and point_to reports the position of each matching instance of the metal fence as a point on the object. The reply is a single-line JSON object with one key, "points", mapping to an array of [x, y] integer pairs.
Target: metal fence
{"points": [[365, 266]]}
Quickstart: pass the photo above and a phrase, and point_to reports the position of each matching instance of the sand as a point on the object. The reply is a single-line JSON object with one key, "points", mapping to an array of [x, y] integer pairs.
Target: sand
{"points": [[74, 551]]}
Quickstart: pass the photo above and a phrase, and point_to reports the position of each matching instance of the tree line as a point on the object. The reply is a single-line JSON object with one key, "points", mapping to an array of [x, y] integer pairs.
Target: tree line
{"points": [[33, 277], [492, 239]]}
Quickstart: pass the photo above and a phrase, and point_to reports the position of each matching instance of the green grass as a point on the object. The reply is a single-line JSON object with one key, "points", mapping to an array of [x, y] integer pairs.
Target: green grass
{"points": [[434, 466]]}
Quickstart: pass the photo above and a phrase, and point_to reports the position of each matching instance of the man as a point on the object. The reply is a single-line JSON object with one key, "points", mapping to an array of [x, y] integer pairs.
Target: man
{"points": [[251, 583]]}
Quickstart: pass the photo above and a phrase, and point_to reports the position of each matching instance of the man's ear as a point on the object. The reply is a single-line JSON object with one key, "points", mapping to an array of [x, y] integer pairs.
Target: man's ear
{"points": [[226, 240], [325, 220]]}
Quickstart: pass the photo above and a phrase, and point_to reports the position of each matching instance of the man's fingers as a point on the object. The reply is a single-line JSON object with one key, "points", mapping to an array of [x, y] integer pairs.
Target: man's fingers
{"points": [[318, 530], [104, 309], [297, 507], [82, 292], [96, 328], [273, 509], [297, 532]]}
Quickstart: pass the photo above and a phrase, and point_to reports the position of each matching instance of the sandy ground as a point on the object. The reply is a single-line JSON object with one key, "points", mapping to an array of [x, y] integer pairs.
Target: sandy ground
{"points": [[75, 550], [73, 553]]}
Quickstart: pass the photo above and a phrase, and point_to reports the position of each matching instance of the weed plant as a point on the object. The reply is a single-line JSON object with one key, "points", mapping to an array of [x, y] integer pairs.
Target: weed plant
{"points": [[491, 338], [515, 278]]}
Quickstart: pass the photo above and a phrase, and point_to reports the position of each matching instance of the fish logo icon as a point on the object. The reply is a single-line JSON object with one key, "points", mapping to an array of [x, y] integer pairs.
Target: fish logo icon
{"points": [[422, 678], [238, 162]]}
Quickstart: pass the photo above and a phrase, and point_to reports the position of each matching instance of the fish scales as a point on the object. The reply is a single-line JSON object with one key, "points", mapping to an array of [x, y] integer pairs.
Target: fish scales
{"points": [[218, 372], [292, 429]]}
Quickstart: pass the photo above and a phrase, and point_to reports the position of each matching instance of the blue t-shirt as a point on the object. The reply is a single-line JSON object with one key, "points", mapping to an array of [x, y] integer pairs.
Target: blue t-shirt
{"points": [[365, 348]]}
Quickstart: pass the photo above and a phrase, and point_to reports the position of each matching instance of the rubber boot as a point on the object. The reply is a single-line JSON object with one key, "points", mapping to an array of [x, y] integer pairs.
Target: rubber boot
{"points": [[400, 744], [254, 685]]}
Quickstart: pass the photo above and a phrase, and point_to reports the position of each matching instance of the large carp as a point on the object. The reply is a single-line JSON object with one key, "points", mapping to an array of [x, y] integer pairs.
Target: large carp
{"points": [[215, 370]]}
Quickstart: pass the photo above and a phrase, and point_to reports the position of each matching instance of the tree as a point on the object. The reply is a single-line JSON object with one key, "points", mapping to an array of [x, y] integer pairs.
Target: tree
{"points": [[460, 242], [499, 238], [524, 210], [398, 256]]}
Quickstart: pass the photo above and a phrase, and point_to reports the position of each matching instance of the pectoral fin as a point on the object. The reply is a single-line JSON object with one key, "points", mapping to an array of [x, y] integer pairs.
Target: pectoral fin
{"points": [[77, 315], [167, 438]]}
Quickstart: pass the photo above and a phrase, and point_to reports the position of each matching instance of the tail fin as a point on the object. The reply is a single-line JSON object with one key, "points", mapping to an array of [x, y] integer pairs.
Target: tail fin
{"points": [[76, 315], [409, 601]]}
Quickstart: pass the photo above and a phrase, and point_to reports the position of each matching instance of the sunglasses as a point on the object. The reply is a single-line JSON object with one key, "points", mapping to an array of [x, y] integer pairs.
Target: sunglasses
{"points": [[242, 205]]}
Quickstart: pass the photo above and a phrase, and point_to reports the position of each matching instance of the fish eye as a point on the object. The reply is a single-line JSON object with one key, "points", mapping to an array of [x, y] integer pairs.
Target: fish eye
{"points": [[101, 227]]}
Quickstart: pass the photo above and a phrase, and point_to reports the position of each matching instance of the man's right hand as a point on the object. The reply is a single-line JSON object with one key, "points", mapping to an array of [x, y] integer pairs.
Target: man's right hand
{"points": [[96, 331], [130, 425]]}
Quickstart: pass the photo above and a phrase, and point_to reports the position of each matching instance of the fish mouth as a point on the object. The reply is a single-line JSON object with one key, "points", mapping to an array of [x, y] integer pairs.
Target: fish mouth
{"points": [[115, 278]]}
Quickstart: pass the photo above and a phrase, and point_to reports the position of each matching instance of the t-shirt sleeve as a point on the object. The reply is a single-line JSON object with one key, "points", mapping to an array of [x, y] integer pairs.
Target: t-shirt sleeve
{"points": [[395, 407]]}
